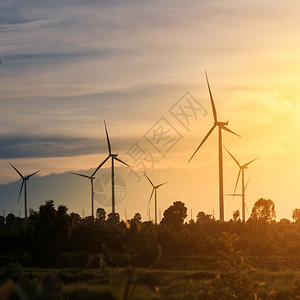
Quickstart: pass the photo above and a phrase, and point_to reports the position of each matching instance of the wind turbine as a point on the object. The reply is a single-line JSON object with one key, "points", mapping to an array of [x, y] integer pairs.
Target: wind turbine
{"points": [[24, 179], [241, 170], [155, 187], [91, 178], [113, 158], [221, 126]]}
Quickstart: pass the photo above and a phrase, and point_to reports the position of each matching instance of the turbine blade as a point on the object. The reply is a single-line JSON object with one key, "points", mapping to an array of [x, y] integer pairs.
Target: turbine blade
{"points": [[160, 185], [108, 142], [227, 129], [205, 138], [28, 176], [16, 170], [85, 176], [232, 157], [21, 190], [121, 161], [149, 179], [247, 183], [247, 164], [211, 99], [237, 180], [105, 160], [150, 198]]}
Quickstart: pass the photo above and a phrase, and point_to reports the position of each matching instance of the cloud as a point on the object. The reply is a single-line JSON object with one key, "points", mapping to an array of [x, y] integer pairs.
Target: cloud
{"points": [[26, 146]]}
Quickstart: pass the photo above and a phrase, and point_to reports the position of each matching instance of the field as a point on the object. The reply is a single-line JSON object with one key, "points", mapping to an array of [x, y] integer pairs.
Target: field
{"points": [[174, 281], [109, 259]]}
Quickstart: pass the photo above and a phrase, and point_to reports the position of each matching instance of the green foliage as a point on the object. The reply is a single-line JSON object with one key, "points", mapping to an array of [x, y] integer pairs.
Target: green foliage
{"points": [[97, 260], [135, 246], [237, 281], [47, 286], [138, 248]]}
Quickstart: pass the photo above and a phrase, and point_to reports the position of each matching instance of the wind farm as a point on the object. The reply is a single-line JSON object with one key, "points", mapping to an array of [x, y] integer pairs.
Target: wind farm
{"points": [[136, 243], [140, 124]]}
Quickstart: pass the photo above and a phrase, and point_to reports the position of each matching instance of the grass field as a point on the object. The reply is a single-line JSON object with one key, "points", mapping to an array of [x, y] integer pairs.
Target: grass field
{"points": [[96, 284]]}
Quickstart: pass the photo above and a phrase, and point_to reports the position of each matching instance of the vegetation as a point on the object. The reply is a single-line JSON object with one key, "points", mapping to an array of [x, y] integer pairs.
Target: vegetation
{"points": [[104, 258]]}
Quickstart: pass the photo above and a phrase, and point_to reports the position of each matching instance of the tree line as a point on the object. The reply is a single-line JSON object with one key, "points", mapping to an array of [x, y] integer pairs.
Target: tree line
{"points": [[51, 232]]}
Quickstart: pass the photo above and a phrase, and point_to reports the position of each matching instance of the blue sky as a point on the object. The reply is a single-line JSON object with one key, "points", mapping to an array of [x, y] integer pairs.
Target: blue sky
{"points": [[68, 65]]}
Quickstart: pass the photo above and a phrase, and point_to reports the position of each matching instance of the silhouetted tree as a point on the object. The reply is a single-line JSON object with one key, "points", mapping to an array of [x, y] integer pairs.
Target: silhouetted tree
{"points": [[100, 215], [13, 224], [2, 225], [296, 215], [50, 231], [175, 214], [284, 221], [62, 226], [202, 218], [236, 215], [263, 210], [113, 219], [74, 219], [137, 217]]}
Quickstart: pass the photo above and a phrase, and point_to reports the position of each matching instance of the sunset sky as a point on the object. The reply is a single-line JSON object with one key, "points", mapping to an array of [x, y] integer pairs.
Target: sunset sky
{"points": [[68, 65]]}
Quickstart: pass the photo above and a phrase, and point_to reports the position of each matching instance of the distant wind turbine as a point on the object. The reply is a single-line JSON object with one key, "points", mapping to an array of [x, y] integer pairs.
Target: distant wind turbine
{"points": [[24, 179], [91, 178], [155, 187], [241, 170], [222, 126], [113, 158]]}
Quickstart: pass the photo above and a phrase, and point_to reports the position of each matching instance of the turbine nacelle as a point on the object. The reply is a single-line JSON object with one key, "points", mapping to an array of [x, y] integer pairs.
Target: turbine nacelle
{"points": [[221, 123]]}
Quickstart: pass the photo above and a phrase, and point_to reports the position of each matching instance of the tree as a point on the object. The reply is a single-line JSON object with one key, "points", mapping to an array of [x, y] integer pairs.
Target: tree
{"points": [[2, 225], [62, 225], [284, 221], [263, 210], [113, 219], [202, 218], [50, 233], [137, 217], [10, 222], [296, 215], [74, 219], [175, 214], [236, 215], [100, 215]]}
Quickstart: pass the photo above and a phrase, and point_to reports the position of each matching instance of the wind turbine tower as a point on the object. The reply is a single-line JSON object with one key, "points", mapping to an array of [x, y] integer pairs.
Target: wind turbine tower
{"points": [[154, 190], [221, 126], [24, 180], [241, 170]]}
